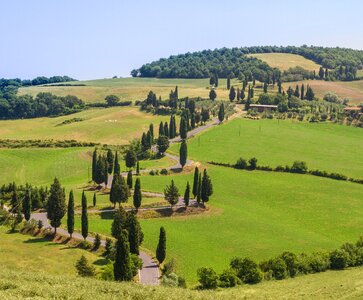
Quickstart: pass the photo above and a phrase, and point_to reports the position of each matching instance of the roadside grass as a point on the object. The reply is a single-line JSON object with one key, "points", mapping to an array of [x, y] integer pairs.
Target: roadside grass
{"points": [[324, 146], [116, 125], [284, 61]]}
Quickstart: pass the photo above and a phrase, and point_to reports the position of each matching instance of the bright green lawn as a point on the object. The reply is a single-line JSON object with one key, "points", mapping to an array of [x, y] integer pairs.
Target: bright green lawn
{"points": [[324, 146]]}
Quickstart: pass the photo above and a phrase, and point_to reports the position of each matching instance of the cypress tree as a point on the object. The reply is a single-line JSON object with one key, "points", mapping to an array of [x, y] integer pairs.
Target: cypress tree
{"points": [[171, 127], [134, 233], [151, 130], [195, 182], [129, 179], [115, 189], [56, 206], [302, 96], [232, 94], [161, 248], [243, 96], [116, 170], [94, 165], [321, 73], [192, 121], [212, 95], [183, 128], [297, 91], [84, 216], [171, 193], [124, 192], [216, 78], [119, 222], [221, 113], [265, 87], [166, 129], [105, 171], [199, 188], [94, 199], [149, 140], [279, 85], [110, 159], [207, 187], [183, 153], [238, 94], [161, 129], [137, 194], [70, 214], [130, 157], [187, 195], [27, 205], [137, 168], [228, 83], [252, 93], [174, 126], [122, 266]]}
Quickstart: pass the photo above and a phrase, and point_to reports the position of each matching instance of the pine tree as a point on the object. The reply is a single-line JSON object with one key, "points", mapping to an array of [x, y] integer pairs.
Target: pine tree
{"points": [[94, 200], [110, 159], [195, 182], [137, 168], [94, 165], [183, 153], [212, 94], [187, 195], [207, 187], [133, 233], [116, 170], [137, 194], [129, 179], [122, 266], [171, 193], [27, 205], [265, 87], [221, 113], [56, 206], [183, 129], [232, 94], [228, 83], [119, 222], [84, 216], [161, 129], [161, 248], [70, 214]]}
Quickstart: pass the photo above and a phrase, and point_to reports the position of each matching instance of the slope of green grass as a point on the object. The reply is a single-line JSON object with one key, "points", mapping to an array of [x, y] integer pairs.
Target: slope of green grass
{"points": [[117, 125], [284, 61], [324, 146]]}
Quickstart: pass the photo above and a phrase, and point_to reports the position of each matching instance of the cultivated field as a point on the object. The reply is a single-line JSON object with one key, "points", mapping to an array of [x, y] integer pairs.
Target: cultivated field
{"points": [[284, 61], [117, 125], [132, 88]]}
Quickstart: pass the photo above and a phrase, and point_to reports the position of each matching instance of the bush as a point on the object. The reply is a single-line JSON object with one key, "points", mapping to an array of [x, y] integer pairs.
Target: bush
{"points": [[85, 245], [291, 262], [136, 264], [96, 242], [107, 273], [247, 270], [84, 269], [164, 172], [169, 267], [319, 262], [252, 163], [109, 249], [171, 280], [338, 259], [228, 278], [277, 266], [208, 278], [241, 164], [299, 167]]}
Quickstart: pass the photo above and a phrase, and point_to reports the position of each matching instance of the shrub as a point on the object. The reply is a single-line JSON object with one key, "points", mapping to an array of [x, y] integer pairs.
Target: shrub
{"points": [[277, 266], [319, 262], [85, 245], [291, 262], [299, 167], [96, 242], [136, 264], [228, 278], [241, 164], [170, 280], [108, 248], [107, 273], [84, 269], [247, 270], [353, 254], [252, 163], [208, 278], [279, 169], [169, 267], [164, 172], [338, 259]]}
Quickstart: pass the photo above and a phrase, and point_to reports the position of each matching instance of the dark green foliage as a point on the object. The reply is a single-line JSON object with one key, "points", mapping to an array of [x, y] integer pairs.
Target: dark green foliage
{"points": [[171, 194], [133, 233], [292, 263], [183, 153], [205, 114], [228, 82], [276, 266], [265, 87], [70, 214], [116, 170], [228, 278], [207, 187], [110, 159], [161, 248], [166, 129], [27, 205], [84, 217], [119, 222], [56, 206], [112, 100], [122, 267], [96, 242], [129, 179], [208, 278], [163, 143], [195, 182], [119, 190], [84, 269], [137, 194], [339, 259], [212, 94], [183, 128], [94, 165], [136, 264], [94, 199], [232, 94], [241, 164], [247, 270], [309, 94], [221, 113], [108, 248], [130, 157], [187, 195], [161, 129], [252, 163], [299, 167], [199, 191], [137, 168]]}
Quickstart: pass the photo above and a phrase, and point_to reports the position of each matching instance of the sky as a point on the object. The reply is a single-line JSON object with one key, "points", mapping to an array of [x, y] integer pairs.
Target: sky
{"points": [[88, 39]]}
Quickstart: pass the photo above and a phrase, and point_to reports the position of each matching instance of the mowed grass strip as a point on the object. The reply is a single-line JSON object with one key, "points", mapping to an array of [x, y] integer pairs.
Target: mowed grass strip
{"points": [[324, 146], [284, 61], [117, 125]]}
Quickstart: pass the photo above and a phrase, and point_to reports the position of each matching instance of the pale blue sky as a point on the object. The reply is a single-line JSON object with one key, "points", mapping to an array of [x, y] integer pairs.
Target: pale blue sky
{"points": [[89, 39]]}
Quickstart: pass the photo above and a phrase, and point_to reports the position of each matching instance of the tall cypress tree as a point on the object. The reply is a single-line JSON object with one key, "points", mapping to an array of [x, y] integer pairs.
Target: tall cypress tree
{"points": [[137, 168], [151, 130], [297, 91], [94, 199], [228, 83], [116, 170], [84, 216], [265, 87], [56, 205], [137, 194], [302, 94], [238, 95], [129, 179], [166, 129], [199, 188], [161, 248], [187, 195], [119, 222], [27, 205], [183, 153], [122, 266], [133, 233], [110, 159], [105, 171], [183, 129], [115, 189], [232, 94], [207, 187], [171, 127], [161, 129], [192, 120], [195, 182], [221, 113], [70, 214], [124, 191], [94, 165]]}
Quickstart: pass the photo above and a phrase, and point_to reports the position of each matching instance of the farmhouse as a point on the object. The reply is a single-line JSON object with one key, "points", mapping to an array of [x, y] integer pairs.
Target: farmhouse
{"points": [[263, 107]]}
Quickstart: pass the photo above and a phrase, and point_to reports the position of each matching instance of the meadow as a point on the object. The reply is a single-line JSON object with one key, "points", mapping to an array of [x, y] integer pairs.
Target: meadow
{"points": [[116, 125], [284, 61]]}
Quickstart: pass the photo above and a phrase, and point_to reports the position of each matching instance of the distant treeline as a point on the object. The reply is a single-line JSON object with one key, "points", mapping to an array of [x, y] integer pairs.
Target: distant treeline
{"points": [[36, 81], [234, 62], [7, 143]]}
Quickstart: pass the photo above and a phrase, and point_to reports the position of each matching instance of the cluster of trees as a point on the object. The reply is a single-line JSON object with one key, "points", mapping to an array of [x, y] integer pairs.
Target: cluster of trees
{"points": [[301, 93], [7, 143], [43, 105], [286, 265], [16, 82], [202, 186]]}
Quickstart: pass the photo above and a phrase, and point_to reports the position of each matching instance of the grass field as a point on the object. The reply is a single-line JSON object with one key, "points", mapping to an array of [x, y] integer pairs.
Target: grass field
{"points": [[132, 88], [116, 125], [35, 254], [352, 90], [329, 285], [324, 146], [284, 61], [256, 214]]}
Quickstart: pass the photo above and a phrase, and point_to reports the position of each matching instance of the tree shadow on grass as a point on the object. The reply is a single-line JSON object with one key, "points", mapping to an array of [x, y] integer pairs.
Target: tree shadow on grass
{"points": [[36, 240], [101, 262]]}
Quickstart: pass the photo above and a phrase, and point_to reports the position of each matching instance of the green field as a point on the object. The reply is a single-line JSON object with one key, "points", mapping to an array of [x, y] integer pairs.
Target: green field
{"points": [[324, 146], [284, 61], [132, 88], [116, 125]]}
